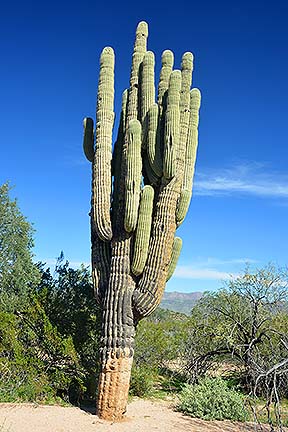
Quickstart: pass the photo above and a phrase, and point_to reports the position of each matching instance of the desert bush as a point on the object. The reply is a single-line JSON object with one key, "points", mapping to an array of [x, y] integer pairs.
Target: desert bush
{"points": [[160, 339], [212, 399], [142, 381], [67, 298], [36, 363]]}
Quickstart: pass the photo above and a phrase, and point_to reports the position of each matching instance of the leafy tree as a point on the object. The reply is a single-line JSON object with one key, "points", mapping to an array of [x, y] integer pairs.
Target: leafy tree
{"points": [[36, 362], [239, 324], [48, 327], [18, 273], [160, 341], [68, 300]]}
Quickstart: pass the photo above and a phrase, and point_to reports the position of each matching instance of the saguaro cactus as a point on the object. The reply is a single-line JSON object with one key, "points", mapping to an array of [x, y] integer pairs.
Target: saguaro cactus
{"points": [[133, 223]]}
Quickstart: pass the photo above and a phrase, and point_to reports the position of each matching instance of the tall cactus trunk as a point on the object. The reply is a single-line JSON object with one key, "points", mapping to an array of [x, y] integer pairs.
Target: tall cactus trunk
{"points": [[117, 339], [113, 387], [134, 248]]}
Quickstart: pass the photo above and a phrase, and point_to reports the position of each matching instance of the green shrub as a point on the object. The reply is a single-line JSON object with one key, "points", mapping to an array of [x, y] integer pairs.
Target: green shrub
{"points": [[36, 363], [212, 399], [142, 380]]}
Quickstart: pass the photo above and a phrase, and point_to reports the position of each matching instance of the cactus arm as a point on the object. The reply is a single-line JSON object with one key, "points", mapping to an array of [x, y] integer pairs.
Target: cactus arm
{"points": [[147, 91], [140, 48], [166, 70], [132, 108], [117, 159], [192, 143], [88, 139], [172, 126], [150, 288], [153, 141], [186, 81], [190, 157], [134, 175], [103, 151], [167, 61], [177, 246], [183, 205], [143, 230]]}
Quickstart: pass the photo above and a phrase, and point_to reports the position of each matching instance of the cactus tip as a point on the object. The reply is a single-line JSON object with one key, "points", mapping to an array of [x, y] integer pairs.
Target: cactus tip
{"points": [[134, 126], [167, 57], [188, 56], [142, 28], [87, 121], [176, 75], [149, 57], [195, 93], [108, 50]]}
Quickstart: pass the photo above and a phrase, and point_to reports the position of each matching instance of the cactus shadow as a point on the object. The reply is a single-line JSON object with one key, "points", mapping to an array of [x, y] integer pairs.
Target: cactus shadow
{"points": [[89, 406]]}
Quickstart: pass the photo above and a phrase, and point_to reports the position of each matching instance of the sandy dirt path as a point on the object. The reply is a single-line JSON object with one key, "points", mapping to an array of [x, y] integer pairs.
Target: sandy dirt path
{"points": [[142, 416]]}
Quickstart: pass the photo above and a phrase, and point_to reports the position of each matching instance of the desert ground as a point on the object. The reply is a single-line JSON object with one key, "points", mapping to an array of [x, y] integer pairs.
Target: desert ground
{"points": [[142, 416]]}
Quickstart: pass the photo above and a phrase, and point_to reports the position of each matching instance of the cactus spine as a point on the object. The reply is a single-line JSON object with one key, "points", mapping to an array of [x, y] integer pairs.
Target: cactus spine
{"points": [[135, 251]]}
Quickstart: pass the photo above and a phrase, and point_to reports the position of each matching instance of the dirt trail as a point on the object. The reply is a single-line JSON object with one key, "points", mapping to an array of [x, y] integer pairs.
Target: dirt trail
{"points": [[142, 416]]}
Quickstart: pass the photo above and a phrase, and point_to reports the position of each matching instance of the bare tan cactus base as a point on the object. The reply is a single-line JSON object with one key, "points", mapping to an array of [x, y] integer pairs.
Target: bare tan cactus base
{"points": [[140, 194], [113, 387]]}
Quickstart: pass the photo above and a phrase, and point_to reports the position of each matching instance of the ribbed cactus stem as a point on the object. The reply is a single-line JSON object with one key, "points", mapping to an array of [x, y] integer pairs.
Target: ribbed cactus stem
{"points": [[192, 142], [177, 246], [186, 74], [132, 113], [134, 175], [166, 70], [143, 230], [124, 109], [147, 84], [190, 157], [172, 126], [116, 160], [103, 152], [150, 288], [140, 48], [88, 138], [186, 81], [117, 157], [153, 141], [100, 260], [183, 205]]}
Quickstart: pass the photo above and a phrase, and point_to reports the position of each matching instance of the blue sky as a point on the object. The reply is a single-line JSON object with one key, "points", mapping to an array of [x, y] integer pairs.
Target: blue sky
{"points": [[49, 71]]}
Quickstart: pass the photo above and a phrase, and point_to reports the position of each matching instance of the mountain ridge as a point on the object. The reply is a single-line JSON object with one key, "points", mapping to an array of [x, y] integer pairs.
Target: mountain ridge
{"points": [[179, 301]]}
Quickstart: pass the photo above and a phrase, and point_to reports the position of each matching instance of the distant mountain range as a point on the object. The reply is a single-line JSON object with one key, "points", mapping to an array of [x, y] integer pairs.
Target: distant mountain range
{"points": [[180, 302]]}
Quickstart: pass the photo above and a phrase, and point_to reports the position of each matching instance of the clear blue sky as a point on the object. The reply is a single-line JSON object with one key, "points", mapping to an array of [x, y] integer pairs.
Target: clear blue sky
{"points": [[48, 75]]}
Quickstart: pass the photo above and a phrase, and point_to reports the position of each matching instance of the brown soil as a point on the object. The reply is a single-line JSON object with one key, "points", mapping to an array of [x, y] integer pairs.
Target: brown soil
{"points": [[142, 416]]}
